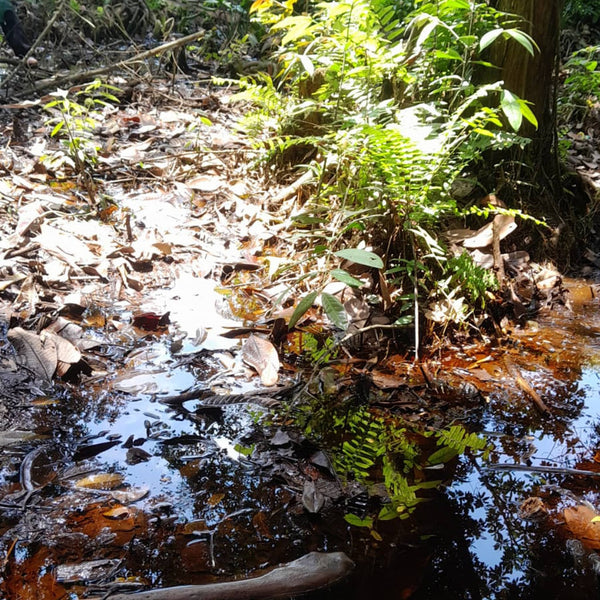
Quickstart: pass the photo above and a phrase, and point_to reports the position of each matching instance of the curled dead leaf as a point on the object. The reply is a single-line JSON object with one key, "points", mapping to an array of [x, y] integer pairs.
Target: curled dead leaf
{"points": [[261, 355]]}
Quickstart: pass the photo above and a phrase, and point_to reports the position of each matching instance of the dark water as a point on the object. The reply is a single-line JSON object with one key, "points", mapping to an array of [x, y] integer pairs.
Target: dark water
{"points": [[212, 509]]}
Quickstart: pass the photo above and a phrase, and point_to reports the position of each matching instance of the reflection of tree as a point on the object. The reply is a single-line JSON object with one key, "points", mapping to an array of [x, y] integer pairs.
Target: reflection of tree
{"points": [[524, 559]]}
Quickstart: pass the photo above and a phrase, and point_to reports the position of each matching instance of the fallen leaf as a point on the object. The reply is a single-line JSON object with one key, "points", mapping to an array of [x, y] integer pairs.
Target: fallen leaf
{"points": [[261, 355], [101, 481], [36, 354], [581, 523], [120, 512]]}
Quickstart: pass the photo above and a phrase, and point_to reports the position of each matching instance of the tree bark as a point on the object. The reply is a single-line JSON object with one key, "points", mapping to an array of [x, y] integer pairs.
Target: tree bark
{"points": [[532, 78]]}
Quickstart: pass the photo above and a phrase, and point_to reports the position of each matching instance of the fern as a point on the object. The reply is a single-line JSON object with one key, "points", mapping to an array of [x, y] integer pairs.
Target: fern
{"points": [[454, 442], [360, 452]]}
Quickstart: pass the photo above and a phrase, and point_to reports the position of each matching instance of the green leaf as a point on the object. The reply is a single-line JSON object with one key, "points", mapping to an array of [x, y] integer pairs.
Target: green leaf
{"points": [[302, 307], [528, 113], [489, 38], [511, 107], [357, 521], [523, 39], [335, 310], [360, 257], [308, 65], [346, 278], [57, 128], [442, 456]]}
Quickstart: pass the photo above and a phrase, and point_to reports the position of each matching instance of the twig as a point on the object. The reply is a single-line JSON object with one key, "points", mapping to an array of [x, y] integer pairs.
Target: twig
{"points": [[542, 469], [93, 73]]}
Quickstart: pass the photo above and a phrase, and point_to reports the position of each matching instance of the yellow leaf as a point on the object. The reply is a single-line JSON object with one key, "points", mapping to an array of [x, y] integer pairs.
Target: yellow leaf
{"points": [[101, 481]]}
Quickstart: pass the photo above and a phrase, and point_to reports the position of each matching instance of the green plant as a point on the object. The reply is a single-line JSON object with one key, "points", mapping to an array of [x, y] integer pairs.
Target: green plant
{"points": [[577, 11], [74, 124], [374, 450], [580, 89]]}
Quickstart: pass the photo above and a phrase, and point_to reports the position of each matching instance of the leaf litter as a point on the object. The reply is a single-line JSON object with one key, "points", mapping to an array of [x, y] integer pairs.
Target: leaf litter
{"points": [[110, 307]]}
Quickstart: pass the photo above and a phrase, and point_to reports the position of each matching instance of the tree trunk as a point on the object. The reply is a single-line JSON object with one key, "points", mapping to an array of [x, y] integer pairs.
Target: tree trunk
{"points": [[531, 78]]}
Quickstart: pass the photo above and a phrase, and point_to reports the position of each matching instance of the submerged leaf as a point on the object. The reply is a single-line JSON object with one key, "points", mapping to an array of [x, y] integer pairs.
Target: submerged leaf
{"points": [[101, 481]]}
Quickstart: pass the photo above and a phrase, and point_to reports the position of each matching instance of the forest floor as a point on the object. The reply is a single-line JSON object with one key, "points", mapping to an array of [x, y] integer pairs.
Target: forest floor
{"points": [[142, 257]]}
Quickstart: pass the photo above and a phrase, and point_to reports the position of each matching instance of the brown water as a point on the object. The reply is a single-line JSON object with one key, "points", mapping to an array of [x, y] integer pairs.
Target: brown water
{"points": [[217, 498]]}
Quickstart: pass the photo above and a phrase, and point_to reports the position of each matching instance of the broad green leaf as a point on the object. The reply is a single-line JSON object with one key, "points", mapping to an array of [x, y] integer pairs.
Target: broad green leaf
{"points": [[489, 38], [335, 310], [308, 65], [346, 278], [523, 39], [450, 54], [57, 128], [357, 521], [511, 107], [388, 512], [403, 321], [528, 114], [361, 257], [302, 307]]}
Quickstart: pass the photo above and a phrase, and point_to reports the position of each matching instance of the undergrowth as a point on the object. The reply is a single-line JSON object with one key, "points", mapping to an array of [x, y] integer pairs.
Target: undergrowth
{"points": [[387, 107]]}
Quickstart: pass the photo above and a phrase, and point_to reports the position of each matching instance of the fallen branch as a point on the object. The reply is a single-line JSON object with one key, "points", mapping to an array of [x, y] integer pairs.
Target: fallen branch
{"points": [[71, 78], [309, 572]]}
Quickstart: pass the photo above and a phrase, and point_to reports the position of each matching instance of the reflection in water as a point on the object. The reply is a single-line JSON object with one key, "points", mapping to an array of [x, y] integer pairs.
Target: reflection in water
{"points": [[219, 504]]}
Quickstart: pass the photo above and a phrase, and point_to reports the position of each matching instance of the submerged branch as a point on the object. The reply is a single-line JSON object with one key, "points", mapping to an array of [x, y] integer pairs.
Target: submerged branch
{"points": [[307, 573]]}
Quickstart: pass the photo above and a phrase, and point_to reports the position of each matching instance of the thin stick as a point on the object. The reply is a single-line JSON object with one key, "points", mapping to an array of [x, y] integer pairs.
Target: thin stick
{"points": [[58, 81], [542, 469]]}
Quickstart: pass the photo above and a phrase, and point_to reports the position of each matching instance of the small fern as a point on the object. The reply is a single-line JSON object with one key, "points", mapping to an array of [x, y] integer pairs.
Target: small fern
{"points": [[361, 451], [454, 442]]}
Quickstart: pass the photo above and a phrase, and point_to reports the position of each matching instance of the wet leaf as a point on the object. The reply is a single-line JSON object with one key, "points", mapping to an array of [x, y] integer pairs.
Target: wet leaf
{"points": [[37, 354], [215, 499], [89, 450], [583, 524], [312, 499], [8, 438], [151, 321], [262, 356], [120, 512], [130, 495], [101, 481], [92, 570]]}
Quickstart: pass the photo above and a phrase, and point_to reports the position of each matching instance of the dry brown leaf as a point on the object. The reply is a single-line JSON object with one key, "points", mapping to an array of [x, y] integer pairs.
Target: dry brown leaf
{"points": [[205, 183], [37, 354], [579, 520], [101, 481], [261, 355]]}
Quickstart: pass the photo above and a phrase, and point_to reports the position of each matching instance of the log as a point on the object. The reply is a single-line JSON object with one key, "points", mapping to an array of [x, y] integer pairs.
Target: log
{"points": [[305, 574]]}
